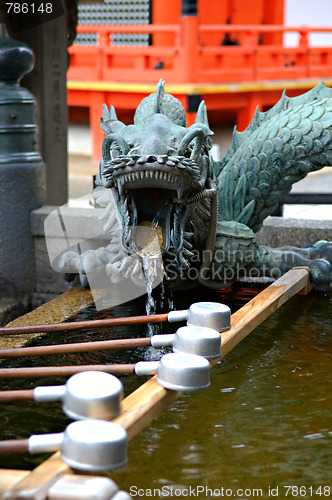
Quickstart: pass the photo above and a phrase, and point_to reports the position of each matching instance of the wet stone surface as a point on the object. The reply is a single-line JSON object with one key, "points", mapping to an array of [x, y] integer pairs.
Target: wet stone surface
{"points": [[56, 311]]}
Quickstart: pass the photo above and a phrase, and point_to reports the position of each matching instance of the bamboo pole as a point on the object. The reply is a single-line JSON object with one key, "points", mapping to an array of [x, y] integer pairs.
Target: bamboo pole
{"points": [[36, 484], [254, 312], [150, 399], [10, 477]]}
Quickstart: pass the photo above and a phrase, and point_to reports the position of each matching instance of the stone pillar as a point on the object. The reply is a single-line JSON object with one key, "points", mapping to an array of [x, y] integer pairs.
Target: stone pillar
{"points": [[47, 82], [48, 31], [22, 171]]}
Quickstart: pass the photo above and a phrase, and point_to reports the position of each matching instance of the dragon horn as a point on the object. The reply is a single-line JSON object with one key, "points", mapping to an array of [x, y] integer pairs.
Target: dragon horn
{"points": [[201, 116], [112, 113], [109, 114], [109, 122], [106, 113], [160, 92]]}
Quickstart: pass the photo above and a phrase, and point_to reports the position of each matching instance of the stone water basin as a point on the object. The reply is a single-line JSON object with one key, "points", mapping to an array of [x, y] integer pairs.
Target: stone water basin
{"points": [[265, 422]]}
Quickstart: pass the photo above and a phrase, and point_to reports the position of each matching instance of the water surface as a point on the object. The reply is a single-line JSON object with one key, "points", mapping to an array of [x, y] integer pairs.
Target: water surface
{"points": [[265, 422]]}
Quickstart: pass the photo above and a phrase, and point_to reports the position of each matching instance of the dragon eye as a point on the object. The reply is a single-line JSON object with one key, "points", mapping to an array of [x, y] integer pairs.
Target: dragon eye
{"points": [[115, 150]]}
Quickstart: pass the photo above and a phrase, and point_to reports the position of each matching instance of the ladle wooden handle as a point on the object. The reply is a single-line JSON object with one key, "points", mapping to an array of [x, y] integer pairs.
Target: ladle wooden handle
{"points": [[101, 345], [47, 371], [14, 446], [20, 395], [79, 325]]}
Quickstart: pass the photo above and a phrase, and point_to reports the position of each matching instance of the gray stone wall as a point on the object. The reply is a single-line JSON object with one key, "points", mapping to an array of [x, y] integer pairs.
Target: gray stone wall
{"points": [[81, 224], [278, 232]]}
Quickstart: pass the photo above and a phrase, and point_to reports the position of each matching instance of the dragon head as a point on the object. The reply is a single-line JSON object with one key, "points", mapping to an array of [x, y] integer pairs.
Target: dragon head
{"points": [[156, 167]]}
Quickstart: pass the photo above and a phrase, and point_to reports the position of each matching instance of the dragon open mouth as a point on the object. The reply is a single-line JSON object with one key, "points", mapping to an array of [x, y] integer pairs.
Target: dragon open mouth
{"points": [[157, 172], [154, 190]]}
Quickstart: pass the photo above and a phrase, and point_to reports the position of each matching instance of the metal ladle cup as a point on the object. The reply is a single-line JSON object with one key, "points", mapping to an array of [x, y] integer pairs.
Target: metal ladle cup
{"points": [[191, 339], [90, 394], [86, 445], [178, 371], [209, 314]]}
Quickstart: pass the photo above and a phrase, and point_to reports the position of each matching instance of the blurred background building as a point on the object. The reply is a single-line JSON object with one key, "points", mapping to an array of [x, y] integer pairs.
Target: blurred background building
{"points": [[234, 54]]}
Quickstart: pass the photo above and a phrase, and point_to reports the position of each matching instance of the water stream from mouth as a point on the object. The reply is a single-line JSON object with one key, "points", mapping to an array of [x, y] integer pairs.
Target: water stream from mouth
{"points": [[149, 242], [149, 270]]}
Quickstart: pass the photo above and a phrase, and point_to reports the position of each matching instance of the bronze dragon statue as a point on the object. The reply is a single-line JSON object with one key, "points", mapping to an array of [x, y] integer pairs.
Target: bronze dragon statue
{"points": [[160, 173]]}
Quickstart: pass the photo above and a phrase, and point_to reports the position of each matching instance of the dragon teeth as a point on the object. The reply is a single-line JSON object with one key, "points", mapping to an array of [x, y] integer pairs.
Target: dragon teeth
{"points": [[109, 225], [120, 186], [179, 191], [133, 176]]}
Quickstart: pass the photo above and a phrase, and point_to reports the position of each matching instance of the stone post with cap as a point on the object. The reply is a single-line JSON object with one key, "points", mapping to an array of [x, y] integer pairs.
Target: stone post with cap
{"points": [[22, 170]]}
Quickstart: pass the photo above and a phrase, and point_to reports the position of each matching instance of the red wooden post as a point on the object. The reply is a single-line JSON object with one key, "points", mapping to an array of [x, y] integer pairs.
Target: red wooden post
{"points": [[103, 43], [97, 100], [190, 49]]}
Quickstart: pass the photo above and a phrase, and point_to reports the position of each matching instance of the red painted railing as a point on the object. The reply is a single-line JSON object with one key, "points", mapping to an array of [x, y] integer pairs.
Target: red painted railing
{"points": [[191, 58]]}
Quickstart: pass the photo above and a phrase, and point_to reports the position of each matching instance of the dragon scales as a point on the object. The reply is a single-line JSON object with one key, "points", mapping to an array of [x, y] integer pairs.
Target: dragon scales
{"points": [[206, 213]]}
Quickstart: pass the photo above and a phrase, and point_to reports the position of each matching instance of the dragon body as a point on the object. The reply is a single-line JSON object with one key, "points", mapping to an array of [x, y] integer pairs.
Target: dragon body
{"points": [[206, 213]]}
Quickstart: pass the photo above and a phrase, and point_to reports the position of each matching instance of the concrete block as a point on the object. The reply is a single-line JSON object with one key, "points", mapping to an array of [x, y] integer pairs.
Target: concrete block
{"points": [[278, 232], [47, 279], [80, 223]]}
